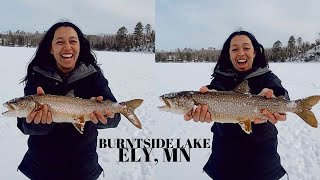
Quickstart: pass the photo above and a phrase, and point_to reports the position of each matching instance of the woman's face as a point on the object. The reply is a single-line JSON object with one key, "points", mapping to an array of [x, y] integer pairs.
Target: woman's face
{"points": [[65, 48], [241, 53]]}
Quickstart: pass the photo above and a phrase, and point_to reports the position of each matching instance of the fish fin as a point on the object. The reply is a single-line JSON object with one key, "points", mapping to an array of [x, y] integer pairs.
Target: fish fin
{"points": [[79, 124], [242, 88], [70, 94], [246, 126], [38, 107], [306, 114], [191, 113], [78, 127], [128, 112], [309, 118], [133, 104]]}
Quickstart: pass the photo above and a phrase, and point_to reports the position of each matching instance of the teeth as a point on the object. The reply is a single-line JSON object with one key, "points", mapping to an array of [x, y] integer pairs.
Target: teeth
{"points": [[66, 55], [242, 60], [6, 105], [9, 106]]}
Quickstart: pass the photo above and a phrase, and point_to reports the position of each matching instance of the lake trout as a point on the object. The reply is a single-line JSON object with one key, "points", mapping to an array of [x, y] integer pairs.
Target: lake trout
{"points": [[69, 109], [238, 106]]}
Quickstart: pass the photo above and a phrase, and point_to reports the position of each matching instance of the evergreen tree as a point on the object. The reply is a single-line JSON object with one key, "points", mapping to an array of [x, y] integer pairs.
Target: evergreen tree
{"points": [[299, 44], [147, 40], [121, 38], [276, 51], [318, 39], [147, 29], [291, 46], [138, 34], [11, 39]]}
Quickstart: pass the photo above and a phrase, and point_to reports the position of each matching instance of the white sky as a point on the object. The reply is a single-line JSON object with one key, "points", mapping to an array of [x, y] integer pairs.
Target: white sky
{"points": [[208, 23], [92, 16], [178, 23]]}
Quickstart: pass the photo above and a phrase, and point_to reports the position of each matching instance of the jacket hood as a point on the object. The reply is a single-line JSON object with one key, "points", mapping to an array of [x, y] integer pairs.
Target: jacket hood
{"points": [[79, 72], [246, 75]]}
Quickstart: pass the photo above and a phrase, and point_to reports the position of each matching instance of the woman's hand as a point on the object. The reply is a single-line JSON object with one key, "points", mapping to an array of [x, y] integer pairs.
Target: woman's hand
{"points": [[273, 118], [41, 114], [201, 113], [97, 116]]}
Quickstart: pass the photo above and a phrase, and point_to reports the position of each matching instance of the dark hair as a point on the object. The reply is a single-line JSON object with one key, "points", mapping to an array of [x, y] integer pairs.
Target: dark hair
{"points": [[43, 58], [224, 61]]}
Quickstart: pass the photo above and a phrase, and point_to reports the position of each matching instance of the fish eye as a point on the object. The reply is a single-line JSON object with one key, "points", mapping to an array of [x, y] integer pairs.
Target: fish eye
{"points": [[15, 100]]}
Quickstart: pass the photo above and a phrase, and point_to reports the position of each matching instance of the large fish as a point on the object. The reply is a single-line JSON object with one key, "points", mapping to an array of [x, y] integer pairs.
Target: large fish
{"points": [[69, 109], [238, 106]]}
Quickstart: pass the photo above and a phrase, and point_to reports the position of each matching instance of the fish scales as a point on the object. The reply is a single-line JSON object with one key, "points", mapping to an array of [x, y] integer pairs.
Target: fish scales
{"points": [[69, 109], [238, 106], [228, 106]]}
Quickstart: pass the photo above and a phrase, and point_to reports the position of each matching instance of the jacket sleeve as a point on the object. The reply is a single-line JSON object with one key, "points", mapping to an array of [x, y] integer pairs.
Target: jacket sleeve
{"points": [[218, 83], [32, 128], [274, 83], [104, 91]]}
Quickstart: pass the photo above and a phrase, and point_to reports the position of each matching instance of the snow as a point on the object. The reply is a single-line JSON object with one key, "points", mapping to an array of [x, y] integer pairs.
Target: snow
{"points": [[313, 50], [135, 75], [312, 54]]}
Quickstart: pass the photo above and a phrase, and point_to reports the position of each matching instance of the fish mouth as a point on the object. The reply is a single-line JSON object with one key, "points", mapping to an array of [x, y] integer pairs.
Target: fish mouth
{"points": [[166, 102], [9, 106]]}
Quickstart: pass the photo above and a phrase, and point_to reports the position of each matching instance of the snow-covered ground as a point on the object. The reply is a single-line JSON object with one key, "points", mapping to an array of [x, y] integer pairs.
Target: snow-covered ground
{"points": [[135, 75]]}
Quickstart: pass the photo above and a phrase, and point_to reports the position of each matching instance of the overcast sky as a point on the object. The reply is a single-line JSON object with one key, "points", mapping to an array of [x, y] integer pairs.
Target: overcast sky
{"points": [[208, 23], [92, 16]]}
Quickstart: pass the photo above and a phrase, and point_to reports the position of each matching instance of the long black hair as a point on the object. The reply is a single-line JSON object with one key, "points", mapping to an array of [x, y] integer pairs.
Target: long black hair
{"points": [[224, 62], [43, 58]]}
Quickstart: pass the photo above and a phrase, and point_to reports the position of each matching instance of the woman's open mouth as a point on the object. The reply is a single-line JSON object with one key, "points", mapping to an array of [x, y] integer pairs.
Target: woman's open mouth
{"points": [[242, 63], [66, 56]]}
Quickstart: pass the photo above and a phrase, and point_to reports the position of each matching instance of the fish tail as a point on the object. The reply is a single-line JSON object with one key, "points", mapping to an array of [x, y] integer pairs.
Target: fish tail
{"points": [[306, 114], [128, 111]]}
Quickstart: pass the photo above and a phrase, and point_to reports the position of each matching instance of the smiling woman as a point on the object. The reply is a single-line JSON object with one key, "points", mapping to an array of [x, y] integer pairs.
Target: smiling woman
{"points": [[65, 48], [64, 62], [241, 53], [242, 58]]}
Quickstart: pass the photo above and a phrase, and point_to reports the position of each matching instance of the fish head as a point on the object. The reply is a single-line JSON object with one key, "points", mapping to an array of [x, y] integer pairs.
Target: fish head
{"points": [[19, 107], [178, 103]]}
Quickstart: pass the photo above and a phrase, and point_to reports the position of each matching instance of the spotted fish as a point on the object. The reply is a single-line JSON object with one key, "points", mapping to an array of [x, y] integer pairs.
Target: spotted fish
{"points": [[238, 106], [69, 109]]}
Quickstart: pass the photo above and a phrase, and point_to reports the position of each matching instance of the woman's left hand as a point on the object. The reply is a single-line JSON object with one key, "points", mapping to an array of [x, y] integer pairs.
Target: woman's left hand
{"points": [[273, 118], [97, 116]]}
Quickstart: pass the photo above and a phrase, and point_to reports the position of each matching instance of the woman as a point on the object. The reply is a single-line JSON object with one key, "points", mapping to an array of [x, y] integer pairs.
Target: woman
{"points": [[235, 154], [64, 62]]}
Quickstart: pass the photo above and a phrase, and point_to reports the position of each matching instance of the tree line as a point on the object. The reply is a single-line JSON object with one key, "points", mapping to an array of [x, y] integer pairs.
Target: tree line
{"points": [[188, 55], [294, 50], [142, 39]]}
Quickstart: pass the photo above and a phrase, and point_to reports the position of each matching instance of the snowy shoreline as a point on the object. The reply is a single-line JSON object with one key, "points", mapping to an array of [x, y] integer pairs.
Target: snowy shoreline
{"points": [[136, 75]]}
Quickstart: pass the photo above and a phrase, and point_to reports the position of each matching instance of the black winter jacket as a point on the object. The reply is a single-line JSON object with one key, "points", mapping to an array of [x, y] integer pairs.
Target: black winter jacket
{"points": [[58, 150], [235, 154]]}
